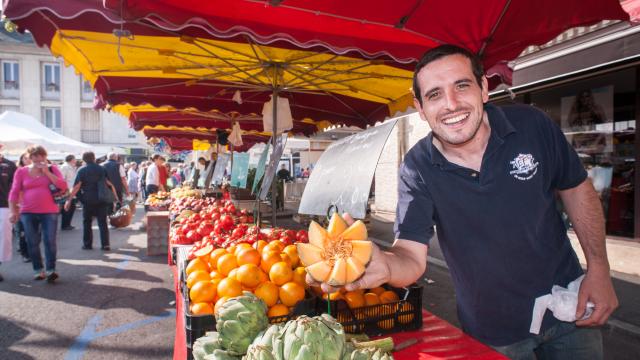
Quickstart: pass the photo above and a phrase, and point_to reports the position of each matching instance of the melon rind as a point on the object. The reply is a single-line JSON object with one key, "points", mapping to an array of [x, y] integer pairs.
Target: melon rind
{"points": [[355, 269], [338, 273]]}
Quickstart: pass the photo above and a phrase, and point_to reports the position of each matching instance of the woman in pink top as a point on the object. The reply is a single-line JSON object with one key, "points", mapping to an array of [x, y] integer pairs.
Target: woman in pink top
{"points": [[37, 210]]}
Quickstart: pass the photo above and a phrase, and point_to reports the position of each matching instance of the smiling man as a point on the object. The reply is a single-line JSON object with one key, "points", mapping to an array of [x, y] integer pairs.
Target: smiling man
{"points": [[487, 178]]}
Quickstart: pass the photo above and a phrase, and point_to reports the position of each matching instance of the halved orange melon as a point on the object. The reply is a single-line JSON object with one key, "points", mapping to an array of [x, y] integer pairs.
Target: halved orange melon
{"points": [[337, 255]]}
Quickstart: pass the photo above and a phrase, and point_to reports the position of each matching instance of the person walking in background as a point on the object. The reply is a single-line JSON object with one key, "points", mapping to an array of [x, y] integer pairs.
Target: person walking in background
{"points": [[38, 211], [7, 170], [117, 177], [86, 182], [68, 170], [142, 179], [163, 172], [153, 175], [132, 180], [18, 229]]}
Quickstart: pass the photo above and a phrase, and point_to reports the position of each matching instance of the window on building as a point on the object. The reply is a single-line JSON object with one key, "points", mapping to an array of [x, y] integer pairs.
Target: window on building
{"points": [[597, 116], [87, 90], [52, 119], [51, 81], [10, 79], [90, 126], [4, 108]]}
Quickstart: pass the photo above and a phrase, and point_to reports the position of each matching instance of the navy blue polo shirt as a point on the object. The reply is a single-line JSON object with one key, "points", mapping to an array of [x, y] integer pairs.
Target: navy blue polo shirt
{"points": [[499, 229]]}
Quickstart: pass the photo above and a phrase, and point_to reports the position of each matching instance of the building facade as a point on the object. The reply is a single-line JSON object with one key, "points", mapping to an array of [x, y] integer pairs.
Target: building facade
{"points": [[33, 82]]}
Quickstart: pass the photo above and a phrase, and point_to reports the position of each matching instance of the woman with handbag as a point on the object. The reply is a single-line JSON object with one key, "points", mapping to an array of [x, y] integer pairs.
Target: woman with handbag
{"points": [[96, 194], [38, 185]]}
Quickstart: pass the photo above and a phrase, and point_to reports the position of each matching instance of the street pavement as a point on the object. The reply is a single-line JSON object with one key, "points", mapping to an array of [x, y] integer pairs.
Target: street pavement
{"points": [[105, 305]]}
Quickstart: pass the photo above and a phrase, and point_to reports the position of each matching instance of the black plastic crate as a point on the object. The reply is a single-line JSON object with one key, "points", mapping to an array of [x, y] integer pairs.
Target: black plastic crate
{"points": [[376, 320], [198, 325]]}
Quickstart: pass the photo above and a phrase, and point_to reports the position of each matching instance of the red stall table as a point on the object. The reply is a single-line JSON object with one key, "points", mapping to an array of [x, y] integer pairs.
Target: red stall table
{"points": [[436, 340]]}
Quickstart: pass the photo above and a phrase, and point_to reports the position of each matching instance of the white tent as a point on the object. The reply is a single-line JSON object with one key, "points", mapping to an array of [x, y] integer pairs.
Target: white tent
{"points": [[18, 131]]}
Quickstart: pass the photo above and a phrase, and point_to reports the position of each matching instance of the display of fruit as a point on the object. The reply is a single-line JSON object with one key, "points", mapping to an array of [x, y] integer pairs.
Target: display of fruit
{"points": [[226, 273], [337, 255], [184, 192], [239, 320]]}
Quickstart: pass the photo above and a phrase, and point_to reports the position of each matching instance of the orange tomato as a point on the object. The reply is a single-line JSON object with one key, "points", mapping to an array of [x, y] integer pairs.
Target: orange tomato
{"points": [[268, 259], [278, 310], [354, 299], [196, 264], [292, 251], [233, 274], [214, 256], [259, 245], [203, 291], [300, 275], [248, 256], [198, 275], [201, 309], [229, 288], [275, 245], [378, 290], [226, 263], [249, 275], [268, 292], [240, 247], [371, 299], [388, 297], [280, 273], [290, 293]]}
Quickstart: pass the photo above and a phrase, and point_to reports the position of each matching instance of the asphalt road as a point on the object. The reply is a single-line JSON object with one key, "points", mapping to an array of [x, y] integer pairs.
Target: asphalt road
{"points": [[105, 305]]}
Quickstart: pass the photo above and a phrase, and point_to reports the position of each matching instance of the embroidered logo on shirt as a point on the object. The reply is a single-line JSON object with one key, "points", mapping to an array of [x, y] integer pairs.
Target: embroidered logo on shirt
{"points": [[525, 167]]}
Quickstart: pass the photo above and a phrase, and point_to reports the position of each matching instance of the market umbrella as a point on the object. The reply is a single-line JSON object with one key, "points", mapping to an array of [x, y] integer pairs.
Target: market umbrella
{"points": [[141, 117], [182, 139], [498, 30], [18, 131]]}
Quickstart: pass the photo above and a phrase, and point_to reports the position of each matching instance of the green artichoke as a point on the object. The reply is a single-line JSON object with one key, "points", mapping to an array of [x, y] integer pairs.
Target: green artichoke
{"points": [[239, 321], [206, 345], [305, 338], [367, 354], [259, 352], [219, 354]]}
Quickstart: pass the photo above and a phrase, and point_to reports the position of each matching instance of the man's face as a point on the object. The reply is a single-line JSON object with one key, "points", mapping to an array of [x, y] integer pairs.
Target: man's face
{"points": [[452, 100]]}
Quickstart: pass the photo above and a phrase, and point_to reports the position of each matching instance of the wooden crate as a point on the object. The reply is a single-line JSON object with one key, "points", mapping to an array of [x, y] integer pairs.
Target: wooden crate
{"points": [[157, 232]]}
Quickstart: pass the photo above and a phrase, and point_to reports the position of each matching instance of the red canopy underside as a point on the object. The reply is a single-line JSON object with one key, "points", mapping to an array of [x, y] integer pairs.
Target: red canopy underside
{"points": [[140, 119], [211, 95]]}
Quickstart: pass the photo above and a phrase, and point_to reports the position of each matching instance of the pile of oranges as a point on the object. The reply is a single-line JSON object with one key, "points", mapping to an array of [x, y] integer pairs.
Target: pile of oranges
{"points": [[271, 271]]}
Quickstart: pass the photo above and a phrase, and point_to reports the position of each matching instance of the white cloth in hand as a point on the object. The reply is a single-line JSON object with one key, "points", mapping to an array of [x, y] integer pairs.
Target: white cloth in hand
{"points": [[562, 302]]}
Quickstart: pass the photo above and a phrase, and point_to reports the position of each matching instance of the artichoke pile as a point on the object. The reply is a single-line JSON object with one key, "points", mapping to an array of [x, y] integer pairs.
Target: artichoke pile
{"points": [[243, 332], [239, 321]]}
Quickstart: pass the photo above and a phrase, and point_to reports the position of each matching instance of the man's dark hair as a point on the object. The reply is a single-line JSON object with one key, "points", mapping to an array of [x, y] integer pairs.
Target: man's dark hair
{"points": [[155, 157], [438, 53], [69, 158], [88, 157]]}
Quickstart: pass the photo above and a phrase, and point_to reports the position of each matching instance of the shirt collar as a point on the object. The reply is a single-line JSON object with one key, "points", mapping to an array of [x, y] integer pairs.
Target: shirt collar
{"points": [[501, 126]]}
